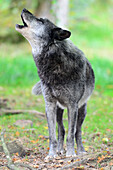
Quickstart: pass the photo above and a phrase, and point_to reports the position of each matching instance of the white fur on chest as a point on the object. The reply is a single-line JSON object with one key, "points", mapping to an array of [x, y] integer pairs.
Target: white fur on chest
{"points": [[60, 105]]}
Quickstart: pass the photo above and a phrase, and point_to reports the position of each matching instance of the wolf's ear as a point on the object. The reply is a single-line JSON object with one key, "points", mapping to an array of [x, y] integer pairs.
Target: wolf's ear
{"points": [[60, 34]]}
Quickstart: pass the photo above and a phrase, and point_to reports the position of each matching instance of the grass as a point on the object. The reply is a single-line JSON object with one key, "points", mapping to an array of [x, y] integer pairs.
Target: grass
{"points": [[95, 30], [95, 36], [103, 70], [18, 71]]}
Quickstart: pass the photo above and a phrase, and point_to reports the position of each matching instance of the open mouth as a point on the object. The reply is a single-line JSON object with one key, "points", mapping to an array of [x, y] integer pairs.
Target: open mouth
{"points": [[24, 24]]}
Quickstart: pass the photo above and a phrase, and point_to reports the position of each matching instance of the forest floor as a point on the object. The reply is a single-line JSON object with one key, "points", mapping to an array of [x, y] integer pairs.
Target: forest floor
{"points": [[34, 139]]}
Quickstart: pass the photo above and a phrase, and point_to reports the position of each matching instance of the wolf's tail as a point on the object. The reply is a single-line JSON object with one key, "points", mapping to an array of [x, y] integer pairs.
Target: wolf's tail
{"points": [[36, 90]]}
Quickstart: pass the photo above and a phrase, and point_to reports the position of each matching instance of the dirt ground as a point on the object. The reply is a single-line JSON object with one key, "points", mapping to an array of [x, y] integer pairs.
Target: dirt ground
{"points": [[35, 154]]}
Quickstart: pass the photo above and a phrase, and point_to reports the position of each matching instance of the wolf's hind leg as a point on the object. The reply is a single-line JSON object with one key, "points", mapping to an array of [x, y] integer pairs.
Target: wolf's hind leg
{"points": [[72, 120], [36, 90], [78, 135], [61, 130]]}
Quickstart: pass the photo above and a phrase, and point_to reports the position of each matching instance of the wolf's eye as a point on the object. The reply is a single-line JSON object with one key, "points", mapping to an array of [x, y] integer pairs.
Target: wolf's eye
{"points": [[42, 20]]}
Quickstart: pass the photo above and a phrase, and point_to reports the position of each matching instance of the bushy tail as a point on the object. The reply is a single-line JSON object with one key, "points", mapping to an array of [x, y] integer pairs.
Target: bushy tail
{"points": [[36, 90]]}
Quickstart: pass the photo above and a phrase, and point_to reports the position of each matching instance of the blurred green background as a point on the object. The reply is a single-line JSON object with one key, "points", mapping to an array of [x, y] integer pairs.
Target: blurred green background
{"points": [[91, 24]]}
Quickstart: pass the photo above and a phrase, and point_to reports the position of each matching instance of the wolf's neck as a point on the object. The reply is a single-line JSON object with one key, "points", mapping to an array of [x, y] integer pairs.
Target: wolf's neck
{"points": [[37, 48]]}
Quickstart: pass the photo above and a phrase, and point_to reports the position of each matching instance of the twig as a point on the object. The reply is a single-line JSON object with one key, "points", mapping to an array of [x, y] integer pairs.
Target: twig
{"points": [[7, 112], [75, 164], [10, 163], [84, 159], [24, 165]]}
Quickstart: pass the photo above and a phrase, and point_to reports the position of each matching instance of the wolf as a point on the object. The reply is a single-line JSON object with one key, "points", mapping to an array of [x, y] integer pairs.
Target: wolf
{"points": [[66, 80]]}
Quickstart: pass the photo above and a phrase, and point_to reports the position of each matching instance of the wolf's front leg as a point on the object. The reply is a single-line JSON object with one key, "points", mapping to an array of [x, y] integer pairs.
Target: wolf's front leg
{"points": [[72, 120], [51, 118]]}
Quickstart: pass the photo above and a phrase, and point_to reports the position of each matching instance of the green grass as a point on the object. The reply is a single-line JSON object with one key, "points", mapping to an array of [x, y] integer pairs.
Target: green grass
{"points": [[95, 36], [18, 71], [103, 70], [95, 30]]}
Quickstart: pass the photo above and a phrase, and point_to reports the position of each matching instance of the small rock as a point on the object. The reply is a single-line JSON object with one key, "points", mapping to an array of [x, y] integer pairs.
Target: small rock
{"points": [[23, 123]]}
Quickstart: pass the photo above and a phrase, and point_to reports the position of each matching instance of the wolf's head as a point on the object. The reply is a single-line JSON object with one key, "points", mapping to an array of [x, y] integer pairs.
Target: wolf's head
{"points": [[40, 31]]}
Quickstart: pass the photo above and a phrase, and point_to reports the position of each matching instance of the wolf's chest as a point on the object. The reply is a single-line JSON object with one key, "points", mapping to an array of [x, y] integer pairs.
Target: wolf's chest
{"points": [[52, 72]]}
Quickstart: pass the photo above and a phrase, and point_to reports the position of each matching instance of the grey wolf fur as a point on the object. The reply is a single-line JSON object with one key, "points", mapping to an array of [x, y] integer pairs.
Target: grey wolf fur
{"points": [[66, 79]]}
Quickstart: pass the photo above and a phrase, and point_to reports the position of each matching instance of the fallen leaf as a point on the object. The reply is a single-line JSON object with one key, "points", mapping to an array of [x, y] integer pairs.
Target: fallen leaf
{"points": [[109, 130], [48, 148], [69, 162], [101, 158], [80, 167], [57, 166], [17, 133], [14, 159], [24, 159], [86, 148], [76, 160], [41, 136], [17, 154], [33, 141], [36, 166], [37, 140]]}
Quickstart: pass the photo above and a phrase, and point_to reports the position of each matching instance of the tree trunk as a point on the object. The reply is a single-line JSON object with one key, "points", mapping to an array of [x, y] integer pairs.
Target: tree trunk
{"points": [[62, 12], [57, 13], [44, 10]]}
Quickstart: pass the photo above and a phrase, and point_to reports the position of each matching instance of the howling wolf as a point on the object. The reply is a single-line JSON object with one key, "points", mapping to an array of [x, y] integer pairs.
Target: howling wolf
{"points": [[66, 79]]}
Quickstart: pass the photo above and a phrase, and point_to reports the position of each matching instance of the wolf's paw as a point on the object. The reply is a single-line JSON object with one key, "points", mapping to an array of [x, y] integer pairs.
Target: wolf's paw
{"points": [[70, 154], [81, 152], [50, 157]]}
